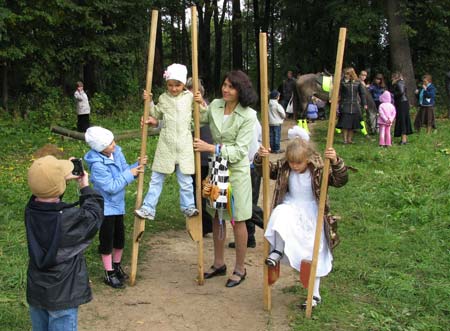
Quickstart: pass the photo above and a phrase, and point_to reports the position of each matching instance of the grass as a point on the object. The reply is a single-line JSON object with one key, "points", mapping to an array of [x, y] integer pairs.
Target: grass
{"points": [[390, 270]]}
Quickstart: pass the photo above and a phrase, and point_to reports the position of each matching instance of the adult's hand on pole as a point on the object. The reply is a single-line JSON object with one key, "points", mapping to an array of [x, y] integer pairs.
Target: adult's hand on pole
{"points": [[202, 146]]}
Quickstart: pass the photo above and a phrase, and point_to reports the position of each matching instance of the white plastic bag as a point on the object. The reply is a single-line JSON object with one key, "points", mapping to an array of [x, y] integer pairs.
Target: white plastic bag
{"points": [[290, 106]]}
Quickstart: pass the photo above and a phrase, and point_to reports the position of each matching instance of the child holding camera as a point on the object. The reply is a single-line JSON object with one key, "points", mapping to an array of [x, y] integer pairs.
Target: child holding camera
{"points": [[110, 174], [57, 235]]}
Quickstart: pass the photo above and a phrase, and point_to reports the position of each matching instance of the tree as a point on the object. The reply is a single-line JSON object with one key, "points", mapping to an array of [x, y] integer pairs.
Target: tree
{"points": [[218, 35], [237, 34], [399, 46]]}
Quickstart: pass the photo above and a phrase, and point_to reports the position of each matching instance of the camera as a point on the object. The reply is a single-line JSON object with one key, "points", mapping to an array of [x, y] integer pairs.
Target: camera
{"points": [[78, 169]]}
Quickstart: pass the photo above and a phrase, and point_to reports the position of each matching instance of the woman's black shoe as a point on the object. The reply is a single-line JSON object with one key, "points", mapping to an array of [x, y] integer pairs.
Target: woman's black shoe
{"points": [[233, 283], [221, 271]]}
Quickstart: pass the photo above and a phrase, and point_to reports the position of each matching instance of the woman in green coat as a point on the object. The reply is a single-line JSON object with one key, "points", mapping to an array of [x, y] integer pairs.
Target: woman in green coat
{"points": [[232, 122]]}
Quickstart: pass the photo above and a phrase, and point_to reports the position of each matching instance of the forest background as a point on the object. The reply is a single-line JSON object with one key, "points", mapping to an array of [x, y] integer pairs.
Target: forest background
{"points": [[46, 46]]}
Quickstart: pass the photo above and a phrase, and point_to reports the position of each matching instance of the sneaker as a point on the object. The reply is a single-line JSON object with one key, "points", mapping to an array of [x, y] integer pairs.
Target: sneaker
{"points": [[144, 213], [191, 211], [120, 272], [112, 280], [315, 302]]}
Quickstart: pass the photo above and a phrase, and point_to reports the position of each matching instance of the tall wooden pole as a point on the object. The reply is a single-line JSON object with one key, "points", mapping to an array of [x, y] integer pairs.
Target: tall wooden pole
{"points": [[326, 167], [265, 141], [139, 224], [194, 224]]}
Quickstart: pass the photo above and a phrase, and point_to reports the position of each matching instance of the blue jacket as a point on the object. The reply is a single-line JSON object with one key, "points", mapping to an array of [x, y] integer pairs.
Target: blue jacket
{"points": [[376, 92], [427, 96], [110, 178]]}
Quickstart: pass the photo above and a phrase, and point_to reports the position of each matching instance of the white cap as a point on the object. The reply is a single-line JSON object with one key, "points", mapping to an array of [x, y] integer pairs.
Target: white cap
{"points": [[98, 138], [298, 132], [177, 72]]}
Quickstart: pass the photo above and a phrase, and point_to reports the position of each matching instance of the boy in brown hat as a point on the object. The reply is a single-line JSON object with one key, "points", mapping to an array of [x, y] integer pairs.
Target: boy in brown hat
{"points": [[57, 235]]}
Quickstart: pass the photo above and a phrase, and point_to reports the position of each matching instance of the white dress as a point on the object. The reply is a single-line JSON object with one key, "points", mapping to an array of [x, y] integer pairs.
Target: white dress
{"points": [[295, 221]]}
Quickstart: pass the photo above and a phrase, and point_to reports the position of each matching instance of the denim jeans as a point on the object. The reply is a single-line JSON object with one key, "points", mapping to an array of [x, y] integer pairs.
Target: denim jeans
{"points": [[54, 320], [275, 137], [156, 184]]}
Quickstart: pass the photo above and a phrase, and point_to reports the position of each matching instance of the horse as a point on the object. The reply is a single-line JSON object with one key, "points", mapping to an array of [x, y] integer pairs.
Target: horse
{"points": [[319, 85]]}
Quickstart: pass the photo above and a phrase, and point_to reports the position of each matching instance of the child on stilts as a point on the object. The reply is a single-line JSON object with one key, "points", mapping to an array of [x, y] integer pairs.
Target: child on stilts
{"points": [[174, 152], [291, 227]]}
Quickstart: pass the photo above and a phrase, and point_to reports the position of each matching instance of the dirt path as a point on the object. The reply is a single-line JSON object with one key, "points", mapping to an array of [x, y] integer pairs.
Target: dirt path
{"points": [[166, 296]]}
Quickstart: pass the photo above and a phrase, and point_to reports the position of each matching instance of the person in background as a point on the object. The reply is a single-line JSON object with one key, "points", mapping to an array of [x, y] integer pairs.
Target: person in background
{"points": [[363, 78], [386, 117], [287, 89], [276, 117], [352, 96], [83, 108], [403, 126], [110, 174], [425, 115], [377, 88], [58, 233]]}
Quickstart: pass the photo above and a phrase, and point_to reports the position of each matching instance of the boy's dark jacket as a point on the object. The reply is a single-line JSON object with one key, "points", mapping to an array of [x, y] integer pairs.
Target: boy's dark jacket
{"points": [[57, 235]]}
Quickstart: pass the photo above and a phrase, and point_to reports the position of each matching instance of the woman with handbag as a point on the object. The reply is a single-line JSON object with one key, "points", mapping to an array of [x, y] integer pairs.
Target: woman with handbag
{"points": [[232, 122]]}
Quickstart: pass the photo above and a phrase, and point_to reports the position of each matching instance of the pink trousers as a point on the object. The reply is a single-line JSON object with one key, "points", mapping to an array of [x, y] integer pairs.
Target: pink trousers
{"points": [[385, 135]]}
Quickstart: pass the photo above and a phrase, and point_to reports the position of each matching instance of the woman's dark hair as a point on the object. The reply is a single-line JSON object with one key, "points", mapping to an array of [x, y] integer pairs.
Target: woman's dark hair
{"points": [[240, 81]]}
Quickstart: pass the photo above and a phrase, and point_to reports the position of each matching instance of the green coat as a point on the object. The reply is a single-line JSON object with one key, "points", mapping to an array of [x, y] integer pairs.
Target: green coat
{"points": [[235, 135], [175, 138]]}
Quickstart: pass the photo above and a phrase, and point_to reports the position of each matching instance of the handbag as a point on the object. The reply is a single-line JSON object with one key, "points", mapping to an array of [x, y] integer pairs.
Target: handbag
{"points": [[216, 186], [290, 106]]}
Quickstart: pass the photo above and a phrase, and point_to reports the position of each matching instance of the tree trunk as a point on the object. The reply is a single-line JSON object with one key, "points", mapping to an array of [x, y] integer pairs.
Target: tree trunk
{"points": [[5, 86], [218, 32], [399, 45], [158, 67], [256, 25], [237, 35], [204, 39], [185, 54], [272, 51]]}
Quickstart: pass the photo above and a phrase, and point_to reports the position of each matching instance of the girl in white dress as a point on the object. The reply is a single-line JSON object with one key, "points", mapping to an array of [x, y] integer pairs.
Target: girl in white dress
{"points": [[292, 225]]}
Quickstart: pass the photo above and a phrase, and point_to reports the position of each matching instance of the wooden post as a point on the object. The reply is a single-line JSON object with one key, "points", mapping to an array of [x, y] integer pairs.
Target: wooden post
{"points": [[326, 167], [139, 224], [194, 224], [265, 142]]}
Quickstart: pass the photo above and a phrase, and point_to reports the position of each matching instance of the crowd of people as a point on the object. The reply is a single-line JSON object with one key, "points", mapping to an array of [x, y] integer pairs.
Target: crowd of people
{"points": [[230, 142]]}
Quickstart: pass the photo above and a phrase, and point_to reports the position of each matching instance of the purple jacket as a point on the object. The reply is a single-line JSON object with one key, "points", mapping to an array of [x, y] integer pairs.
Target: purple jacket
{"points": [[386, 110]]}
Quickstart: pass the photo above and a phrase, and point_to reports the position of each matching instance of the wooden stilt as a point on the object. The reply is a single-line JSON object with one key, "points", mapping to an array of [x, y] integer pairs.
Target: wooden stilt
{"points": [[326, 167], [265, 141], [139, 224], [194, 224]]}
